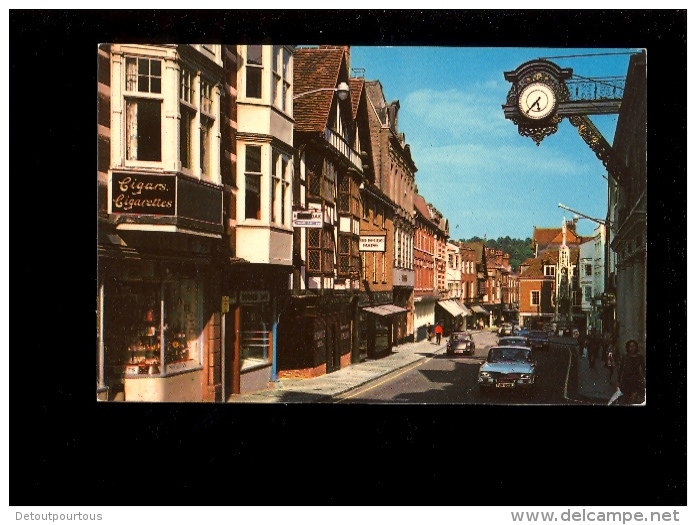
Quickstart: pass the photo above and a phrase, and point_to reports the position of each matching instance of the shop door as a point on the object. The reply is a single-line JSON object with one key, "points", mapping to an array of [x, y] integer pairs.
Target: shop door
{"points": [[332, 362], [231, 379]]}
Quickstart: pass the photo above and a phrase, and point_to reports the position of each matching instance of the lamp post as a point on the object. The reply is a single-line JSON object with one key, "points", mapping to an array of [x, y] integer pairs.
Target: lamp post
{"points": [[342, 91]]}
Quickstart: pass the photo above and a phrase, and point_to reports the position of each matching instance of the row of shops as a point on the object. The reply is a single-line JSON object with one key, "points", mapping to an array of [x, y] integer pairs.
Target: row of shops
{"points": [[177, 327]]}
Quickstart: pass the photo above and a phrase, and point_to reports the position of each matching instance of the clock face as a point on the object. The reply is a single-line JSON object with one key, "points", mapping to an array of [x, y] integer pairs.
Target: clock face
{"points": [[537, 101]]}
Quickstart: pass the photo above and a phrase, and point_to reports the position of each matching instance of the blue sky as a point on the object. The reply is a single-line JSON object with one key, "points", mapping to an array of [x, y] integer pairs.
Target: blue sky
{"points": [[472, 163]]}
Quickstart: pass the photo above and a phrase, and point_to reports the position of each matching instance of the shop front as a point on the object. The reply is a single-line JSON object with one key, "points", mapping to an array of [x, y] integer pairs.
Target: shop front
{"points": [[481, 317], [315, 336], [451, 314], [156, 329], [424, 314], [380, 328]]}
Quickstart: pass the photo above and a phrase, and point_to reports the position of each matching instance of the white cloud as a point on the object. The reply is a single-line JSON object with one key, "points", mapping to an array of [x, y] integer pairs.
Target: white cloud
{"points": [[479, 160], [456, 114]]}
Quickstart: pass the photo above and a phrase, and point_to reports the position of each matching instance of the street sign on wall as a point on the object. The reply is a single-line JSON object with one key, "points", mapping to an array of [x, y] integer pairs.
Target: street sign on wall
{"points": [[372, 243], [307, 219]]}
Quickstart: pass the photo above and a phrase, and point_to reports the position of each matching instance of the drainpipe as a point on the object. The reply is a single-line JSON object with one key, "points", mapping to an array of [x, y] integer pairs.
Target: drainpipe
{"points": [[274, 345]]}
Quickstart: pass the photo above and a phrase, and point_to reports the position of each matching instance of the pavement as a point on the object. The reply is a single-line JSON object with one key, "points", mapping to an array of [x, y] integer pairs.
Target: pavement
{"points": [[591, 384]]}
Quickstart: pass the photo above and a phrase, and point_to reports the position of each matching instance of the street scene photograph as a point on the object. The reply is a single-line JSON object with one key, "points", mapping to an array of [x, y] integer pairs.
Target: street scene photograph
{"points": [[318, 224]]}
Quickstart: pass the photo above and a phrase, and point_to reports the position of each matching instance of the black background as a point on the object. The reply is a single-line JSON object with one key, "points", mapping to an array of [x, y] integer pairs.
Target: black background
{"points": [[67, 450]]}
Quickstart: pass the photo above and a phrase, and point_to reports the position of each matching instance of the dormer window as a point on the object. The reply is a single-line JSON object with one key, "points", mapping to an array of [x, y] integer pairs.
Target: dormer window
{"points": [[549, 270]]}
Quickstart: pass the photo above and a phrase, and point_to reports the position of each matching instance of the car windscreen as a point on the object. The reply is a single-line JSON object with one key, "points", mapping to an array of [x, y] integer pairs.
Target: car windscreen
{"points": [[501, 355], [537, 333]]}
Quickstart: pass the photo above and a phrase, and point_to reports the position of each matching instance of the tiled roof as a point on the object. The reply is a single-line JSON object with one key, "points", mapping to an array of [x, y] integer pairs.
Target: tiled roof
{"points": [[477, 246], [544, 236], [421, 206], [315, 68], [356, 89], [536, 265]]}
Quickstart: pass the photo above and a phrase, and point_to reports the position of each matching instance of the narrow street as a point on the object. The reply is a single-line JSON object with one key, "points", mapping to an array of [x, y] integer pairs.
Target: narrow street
{"points": [[443, 379]]}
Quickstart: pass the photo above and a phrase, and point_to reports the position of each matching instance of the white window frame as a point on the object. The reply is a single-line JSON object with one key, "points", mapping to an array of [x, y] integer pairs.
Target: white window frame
{"points": [[246, 173], [549, 270], [281, 88], [538, 297], [281, 177], [130, 95], [252, 66]]}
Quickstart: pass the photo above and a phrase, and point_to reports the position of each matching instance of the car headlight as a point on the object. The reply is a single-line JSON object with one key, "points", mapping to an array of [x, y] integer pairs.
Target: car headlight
{"points": [[485, 374], [525, 376]]}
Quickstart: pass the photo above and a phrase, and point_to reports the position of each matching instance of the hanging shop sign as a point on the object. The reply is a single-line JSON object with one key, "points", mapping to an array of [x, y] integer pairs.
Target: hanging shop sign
{"points": [[307, 219], [143, 194], [372, 243]]}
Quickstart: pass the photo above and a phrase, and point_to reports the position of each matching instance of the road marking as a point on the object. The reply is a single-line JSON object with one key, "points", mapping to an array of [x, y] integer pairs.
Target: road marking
{"points": [[390, 377]]}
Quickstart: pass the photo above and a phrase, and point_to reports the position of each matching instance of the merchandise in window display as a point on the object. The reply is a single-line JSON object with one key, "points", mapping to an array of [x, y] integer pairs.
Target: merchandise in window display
{"points": [[144, 351]]}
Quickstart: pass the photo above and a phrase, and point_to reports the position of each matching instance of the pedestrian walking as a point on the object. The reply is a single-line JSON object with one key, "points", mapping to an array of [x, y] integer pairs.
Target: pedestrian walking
{"points": [[429, 331], [609, 355], [582, 344], [631, 380], [593, 344], [438, 333]]}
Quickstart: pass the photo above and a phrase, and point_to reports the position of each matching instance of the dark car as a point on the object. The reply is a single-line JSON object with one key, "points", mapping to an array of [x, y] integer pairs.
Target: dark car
{"points": [[511, 367], [514, 340], [538, 339], [460, 343]]}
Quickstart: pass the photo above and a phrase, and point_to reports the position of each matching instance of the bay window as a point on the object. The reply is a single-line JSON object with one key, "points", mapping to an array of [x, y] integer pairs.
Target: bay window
{"points": [[254, 71], [320, 250], [187, 108], [281, 78], [252, 179], [280, 190], [348, 254], [143, 102]]}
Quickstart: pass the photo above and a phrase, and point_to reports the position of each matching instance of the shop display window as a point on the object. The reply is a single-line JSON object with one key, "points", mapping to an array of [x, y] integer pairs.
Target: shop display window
{"points": [[255, 334], [151, 328]]}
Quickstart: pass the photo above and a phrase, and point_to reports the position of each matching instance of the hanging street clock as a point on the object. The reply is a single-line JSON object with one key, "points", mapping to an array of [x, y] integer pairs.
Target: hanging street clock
{"points": [[537, 101], [532, 102]]}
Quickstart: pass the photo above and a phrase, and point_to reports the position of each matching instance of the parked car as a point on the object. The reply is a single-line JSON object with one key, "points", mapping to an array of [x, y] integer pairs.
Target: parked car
{"points": [[511, 367], [514, 340], [460, 343], [505, 329], [538, 339]]}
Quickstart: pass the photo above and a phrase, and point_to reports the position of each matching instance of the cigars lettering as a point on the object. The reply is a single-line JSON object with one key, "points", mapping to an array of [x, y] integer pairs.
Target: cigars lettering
{"points": [[148, 194]]}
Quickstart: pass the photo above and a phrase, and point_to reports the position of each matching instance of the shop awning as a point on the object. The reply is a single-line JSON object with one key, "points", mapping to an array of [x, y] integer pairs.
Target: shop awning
{"points": [[452, 307], [480, 310], [466, 310], [385, 310]]}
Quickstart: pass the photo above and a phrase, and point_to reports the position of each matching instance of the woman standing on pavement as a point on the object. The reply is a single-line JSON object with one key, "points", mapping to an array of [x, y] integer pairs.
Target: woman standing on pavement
{"points": [[631, 380]]}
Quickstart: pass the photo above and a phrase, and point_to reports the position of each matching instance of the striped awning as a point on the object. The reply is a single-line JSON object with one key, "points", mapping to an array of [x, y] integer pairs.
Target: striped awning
{"points": [[385, 310], [452, 307], [466, 310], [480, 310]]}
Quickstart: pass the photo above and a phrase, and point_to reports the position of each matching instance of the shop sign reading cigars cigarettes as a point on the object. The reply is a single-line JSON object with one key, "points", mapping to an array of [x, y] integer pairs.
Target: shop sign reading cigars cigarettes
{"points": [[142, 193], [372, 243]]}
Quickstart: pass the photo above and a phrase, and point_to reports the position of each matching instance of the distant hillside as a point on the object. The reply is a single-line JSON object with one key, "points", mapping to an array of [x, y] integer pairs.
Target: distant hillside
{"points": [[518, 249]]}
